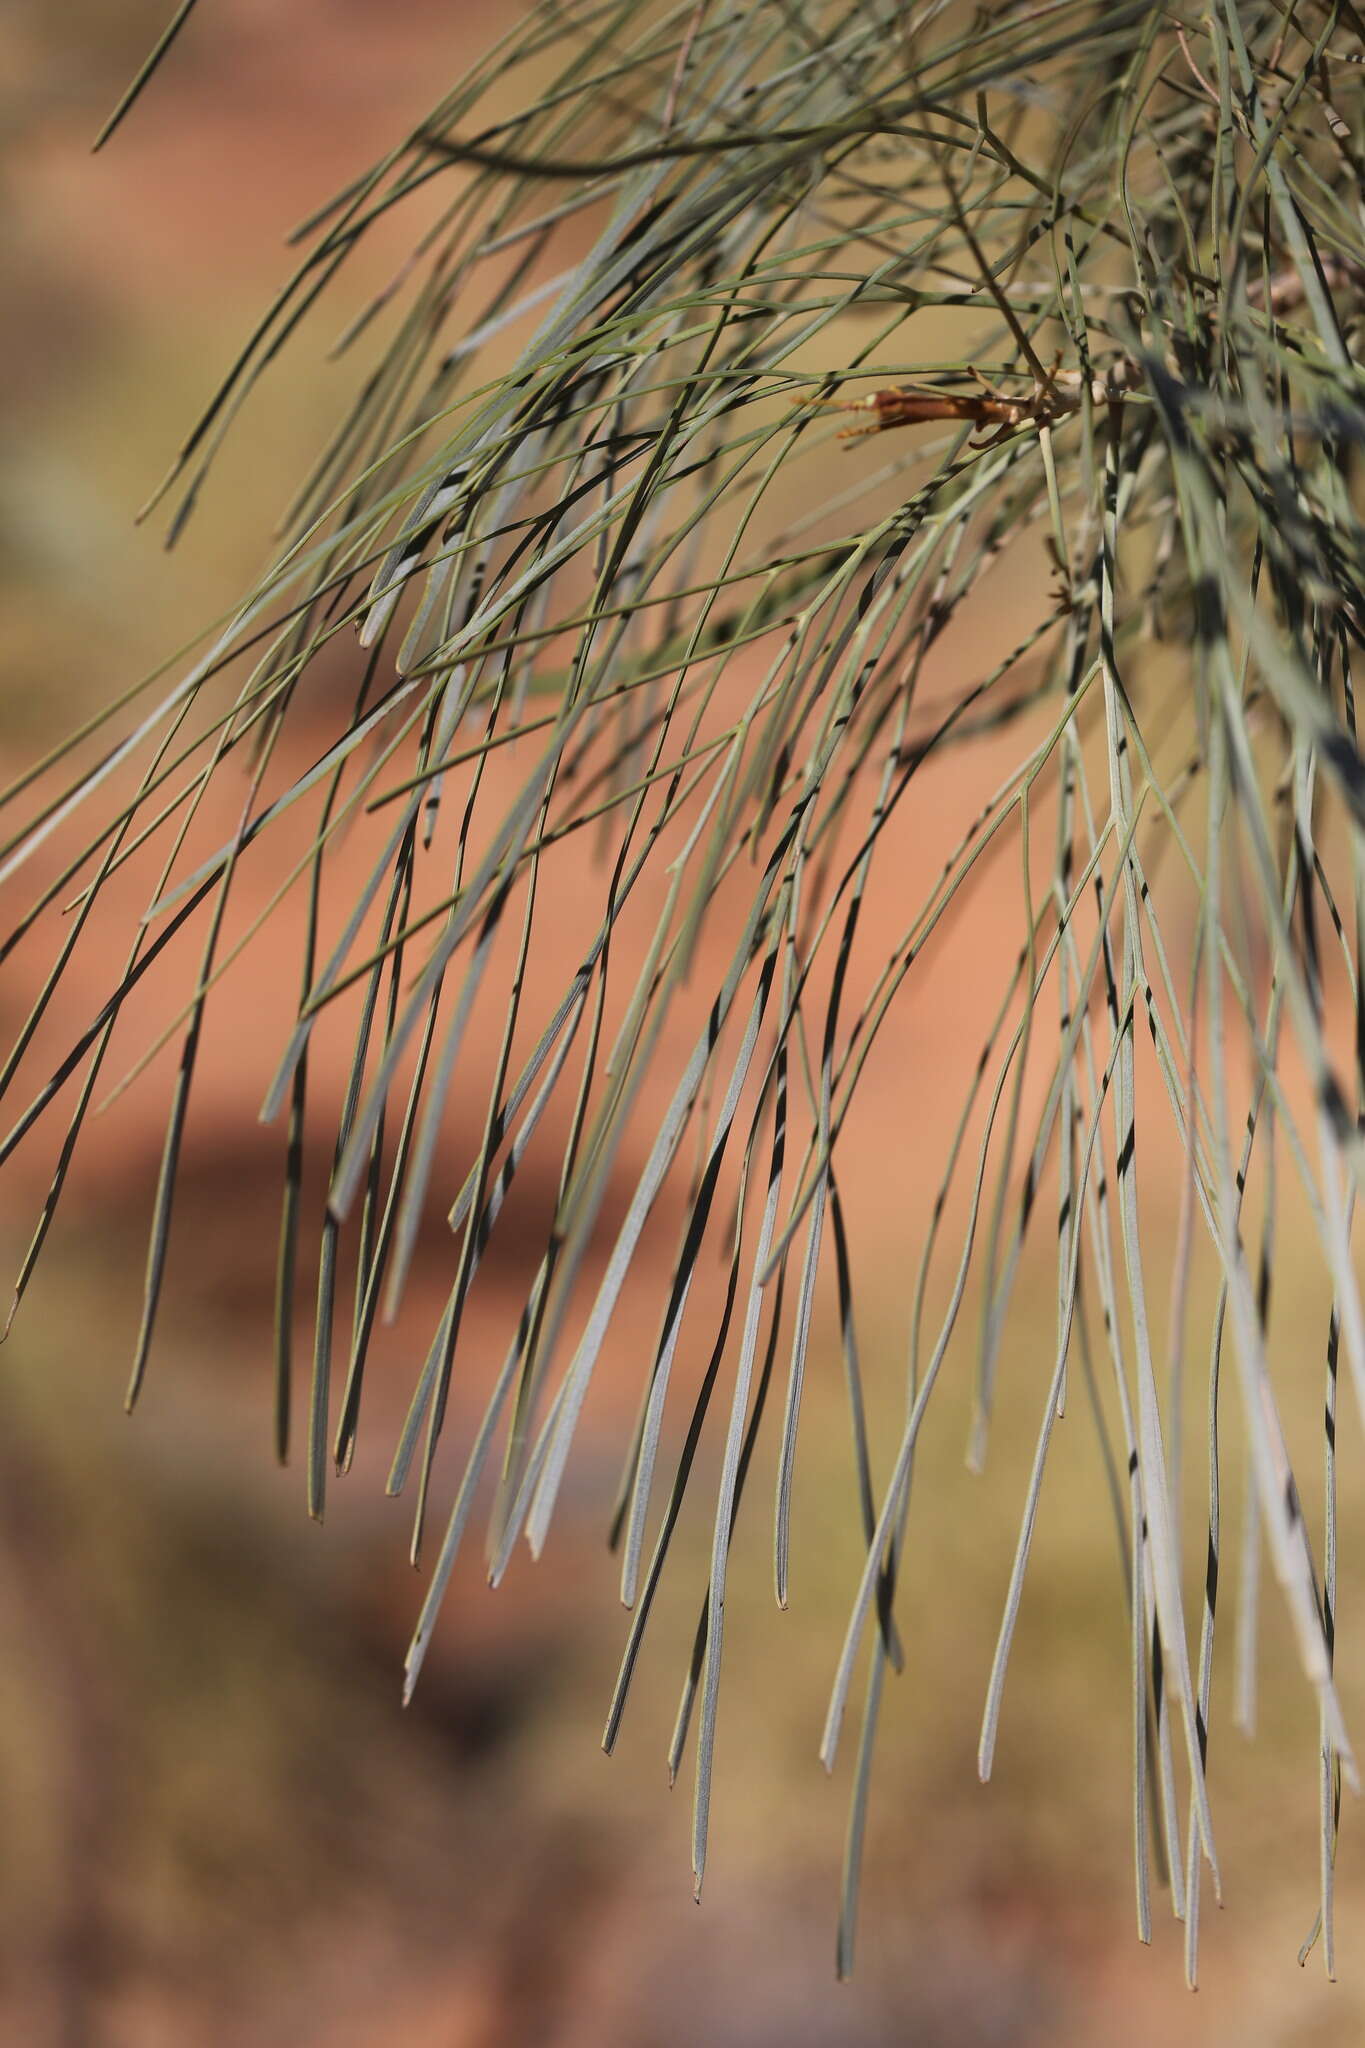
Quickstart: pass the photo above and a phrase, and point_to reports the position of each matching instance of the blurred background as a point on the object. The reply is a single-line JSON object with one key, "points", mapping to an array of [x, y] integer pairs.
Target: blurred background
{"points": [[218, 1825]]}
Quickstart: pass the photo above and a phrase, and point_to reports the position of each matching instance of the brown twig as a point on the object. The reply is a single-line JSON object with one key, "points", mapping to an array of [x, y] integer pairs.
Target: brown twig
{"points": [[680, 68], [1211, 90], [988, 410]]}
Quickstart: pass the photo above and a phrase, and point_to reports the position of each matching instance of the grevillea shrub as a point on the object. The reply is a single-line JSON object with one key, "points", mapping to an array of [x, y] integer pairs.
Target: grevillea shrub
{"points": [[590, 586]]}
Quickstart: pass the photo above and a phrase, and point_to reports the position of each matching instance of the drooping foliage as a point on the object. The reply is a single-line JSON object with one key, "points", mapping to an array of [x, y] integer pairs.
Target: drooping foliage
{"points": [[1087, 282]]}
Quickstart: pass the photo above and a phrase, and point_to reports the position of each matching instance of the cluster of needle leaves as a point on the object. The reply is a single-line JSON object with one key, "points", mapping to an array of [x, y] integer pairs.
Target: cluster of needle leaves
{"points": [[689, 233]]}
